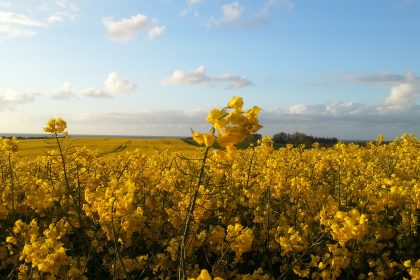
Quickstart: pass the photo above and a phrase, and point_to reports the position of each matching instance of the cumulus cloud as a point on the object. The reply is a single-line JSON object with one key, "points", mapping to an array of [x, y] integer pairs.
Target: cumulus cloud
{"points": [[332, 109], [305, 109], [125, 29], [199, 76], [114, 85], [402, 95], [346, 120], [196, 76], [10, 98], [65, 92], [404, 91], [398, 107], [156, 31], [230, 14]]}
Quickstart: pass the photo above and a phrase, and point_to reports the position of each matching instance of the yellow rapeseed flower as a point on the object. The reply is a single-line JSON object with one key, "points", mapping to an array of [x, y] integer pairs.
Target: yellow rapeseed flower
{"points": [[10, 145], [236, 103], [206, 139], [215, 114], [56, 126]]}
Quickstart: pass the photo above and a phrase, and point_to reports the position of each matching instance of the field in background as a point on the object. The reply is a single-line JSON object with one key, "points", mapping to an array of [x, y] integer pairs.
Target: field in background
{"points": [[107, 146]]}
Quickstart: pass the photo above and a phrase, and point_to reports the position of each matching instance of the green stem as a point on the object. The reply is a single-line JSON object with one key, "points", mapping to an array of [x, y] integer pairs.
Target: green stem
{"points": [[115, 237], [191, 207], [12, 185], [67, 180]]}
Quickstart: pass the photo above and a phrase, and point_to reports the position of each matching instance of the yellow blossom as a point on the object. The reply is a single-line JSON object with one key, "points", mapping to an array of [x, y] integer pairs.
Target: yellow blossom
{"points": [[56, 126], [236, 103]]}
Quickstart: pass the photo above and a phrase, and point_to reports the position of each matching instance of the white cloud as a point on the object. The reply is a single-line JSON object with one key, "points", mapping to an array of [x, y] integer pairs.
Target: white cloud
{"points": [[199, 76], [9, 98], [402, 95], [230, 14], [19, 19], [65, 92], [397, 114], [15, 32], [333, 109], [305, 109], [55, 18], [13, 25], [156, 31], [346, 120], [404, 91], [61, 17], [115, 85], [179, 77], [125, 29]]}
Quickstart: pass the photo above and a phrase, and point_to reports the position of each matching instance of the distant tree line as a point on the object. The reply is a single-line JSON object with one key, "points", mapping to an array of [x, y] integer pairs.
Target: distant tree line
{"points": [[26, 138], [298, 138]]}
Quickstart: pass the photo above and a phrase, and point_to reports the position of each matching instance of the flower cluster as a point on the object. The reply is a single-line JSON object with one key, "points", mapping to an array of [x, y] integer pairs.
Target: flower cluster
{"points": [[56, 126], [9, 145], [231, 123]]}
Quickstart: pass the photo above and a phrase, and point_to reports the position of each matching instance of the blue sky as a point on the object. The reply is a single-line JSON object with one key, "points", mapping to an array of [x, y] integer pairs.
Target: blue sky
{"points": [[328, 68]]}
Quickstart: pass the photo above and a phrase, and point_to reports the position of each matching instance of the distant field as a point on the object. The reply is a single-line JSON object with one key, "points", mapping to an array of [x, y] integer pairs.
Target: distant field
{"points": [[106, 146]]}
